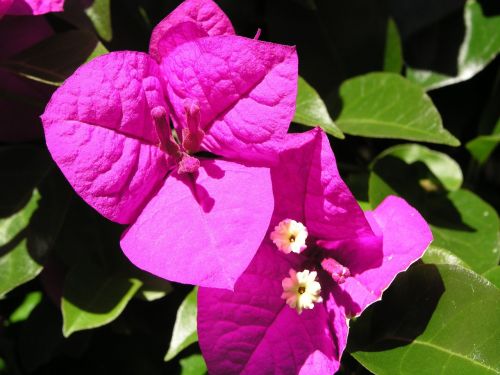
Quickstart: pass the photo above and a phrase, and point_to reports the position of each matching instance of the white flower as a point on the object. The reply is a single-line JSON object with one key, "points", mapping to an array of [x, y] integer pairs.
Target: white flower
{"points": [[301, 290], [290, 236]]}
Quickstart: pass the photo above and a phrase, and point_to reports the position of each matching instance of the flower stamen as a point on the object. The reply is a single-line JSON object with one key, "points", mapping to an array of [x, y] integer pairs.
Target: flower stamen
{"points": [[301, 290], [290, 236]]}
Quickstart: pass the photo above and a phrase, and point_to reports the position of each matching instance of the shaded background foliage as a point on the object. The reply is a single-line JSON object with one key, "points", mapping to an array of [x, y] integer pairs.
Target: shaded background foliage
{"points": [[72, 302]]}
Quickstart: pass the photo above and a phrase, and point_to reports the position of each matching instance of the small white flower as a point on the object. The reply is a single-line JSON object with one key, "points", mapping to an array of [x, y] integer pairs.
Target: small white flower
{"points": [[301, 290], [290, 236]]}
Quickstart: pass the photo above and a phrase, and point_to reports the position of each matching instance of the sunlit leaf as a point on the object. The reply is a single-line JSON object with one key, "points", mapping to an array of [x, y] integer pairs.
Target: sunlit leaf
{"points": [[386, 105], [480, 45], [311, 110], [184, 333], [93, 297], [17, 265], [435, 319]]}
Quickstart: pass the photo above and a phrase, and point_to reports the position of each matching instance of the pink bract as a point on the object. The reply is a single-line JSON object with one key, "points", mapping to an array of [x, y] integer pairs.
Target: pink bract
{"points": [[30, 7], [251, 329], [193, 219]]}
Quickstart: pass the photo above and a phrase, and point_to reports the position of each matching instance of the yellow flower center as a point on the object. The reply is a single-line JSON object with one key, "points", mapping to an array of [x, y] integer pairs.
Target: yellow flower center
{"points": [[290, 236], [301, 290]]}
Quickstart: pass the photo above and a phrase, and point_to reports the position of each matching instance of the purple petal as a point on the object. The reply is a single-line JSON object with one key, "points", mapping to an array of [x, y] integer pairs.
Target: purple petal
{"points": [[204, 231], [204, 18], [253, 331], [99, 131], [35, 7], [406, 236], [245, 90], [4, 7], [309, 189]]}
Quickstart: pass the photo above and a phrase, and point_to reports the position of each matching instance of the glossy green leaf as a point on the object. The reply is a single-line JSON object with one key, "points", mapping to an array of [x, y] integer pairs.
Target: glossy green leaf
{"points": [[17, 264], [461, 222], [100, 15], [56, 58], [386, 105], [193, 365], [311, 110], [93, 297], [482, 146], [493, 276], [480, 45], [438, 255], [24, 310], [446, 170], [475, 239], [184, 333], [393, 54], [440, 319]]}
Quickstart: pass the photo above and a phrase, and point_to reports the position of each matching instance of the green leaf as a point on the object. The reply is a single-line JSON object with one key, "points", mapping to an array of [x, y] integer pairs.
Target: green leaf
{"points": [[493, 276], [56, 58], [17, 265], [311, 110], [480, 46], [440, 319], [24, 310], [100, 15], [482, 146], [461, 222], [438, 255], [446, 170], [93, 297], [386, 105], [184, 333], [153, 287], [475, 239], [393, 54], [24, 166], [193, 365]]}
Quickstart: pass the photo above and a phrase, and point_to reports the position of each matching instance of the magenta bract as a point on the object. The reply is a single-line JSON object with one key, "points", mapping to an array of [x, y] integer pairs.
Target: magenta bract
{"points": [[252, 330], [30, 7], [193, 219]]}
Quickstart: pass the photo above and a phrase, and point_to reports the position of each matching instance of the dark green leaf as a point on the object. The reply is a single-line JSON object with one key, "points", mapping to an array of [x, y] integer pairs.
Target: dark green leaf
{"points": [[385, 105], [17, 266], [93, 297], [482, 146], [461, 222], [23, 166], [446, 170], [100, 15], [440, 319], [56, 58], [493, 275], [311, 110], [480, 46], [193, 365], [153, 287], [393, 55], [184, 333], [475, 239]]}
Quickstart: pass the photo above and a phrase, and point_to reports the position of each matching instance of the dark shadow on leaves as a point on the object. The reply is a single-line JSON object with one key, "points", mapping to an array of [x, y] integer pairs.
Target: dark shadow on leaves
{"points": [[404, 179], [402, 315]]}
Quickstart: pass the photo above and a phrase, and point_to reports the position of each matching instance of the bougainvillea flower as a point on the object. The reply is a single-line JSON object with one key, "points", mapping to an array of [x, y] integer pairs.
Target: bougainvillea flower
{"points": [[289, 311], [194, 219], [22, 106], [30, 7]]}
